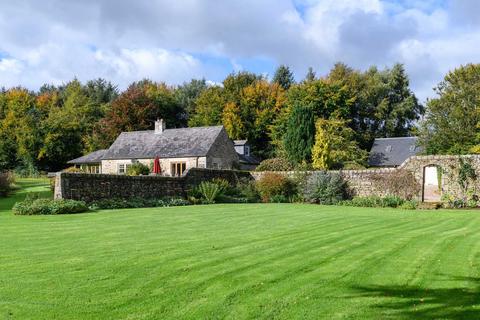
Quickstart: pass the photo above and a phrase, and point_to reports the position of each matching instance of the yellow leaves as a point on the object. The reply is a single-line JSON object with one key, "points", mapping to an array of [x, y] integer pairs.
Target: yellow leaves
{"points": [[232, 121], [334, 144]]}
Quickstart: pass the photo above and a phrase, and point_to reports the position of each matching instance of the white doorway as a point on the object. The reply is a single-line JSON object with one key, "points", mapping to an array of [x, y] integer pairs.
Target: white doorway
{"points": [[431, 187]]}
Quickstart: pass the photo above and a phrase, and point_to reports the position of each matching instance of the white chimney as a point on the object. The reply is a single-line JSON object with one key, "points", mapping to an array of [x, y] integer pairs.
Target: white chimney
{"points": [[159, 126]]}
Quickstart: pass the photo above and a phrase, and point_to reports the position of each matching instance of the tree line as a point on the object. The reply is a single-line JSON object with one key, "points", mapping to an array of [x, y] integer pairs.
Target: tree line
{"points": [[320, 122]]}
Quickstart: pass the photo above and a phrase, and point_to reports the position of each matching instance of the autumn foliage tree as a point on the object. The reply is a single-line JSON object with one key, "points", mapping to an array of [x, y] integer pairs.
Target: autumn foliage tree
{"points": [[334, 145], [137, 108]]}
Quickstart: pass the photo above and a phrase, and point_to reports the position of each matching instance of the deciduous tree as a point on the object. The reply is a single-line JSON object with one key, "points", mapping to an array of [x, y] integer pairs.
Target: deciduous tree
{"points": [[334, 145]]}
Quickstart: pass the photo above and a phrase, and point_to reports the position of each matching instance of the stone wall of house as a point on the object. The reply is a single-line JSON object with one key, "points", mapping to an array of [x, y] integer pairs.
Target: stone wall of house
{"points": [[222, 154], [111, 166], [90, 187]]}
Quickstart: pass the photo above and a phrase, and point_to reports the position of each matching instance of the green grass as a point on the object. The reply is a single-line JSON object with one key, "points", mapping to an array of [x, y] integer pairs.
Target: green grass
{"points": [[274, 261]]}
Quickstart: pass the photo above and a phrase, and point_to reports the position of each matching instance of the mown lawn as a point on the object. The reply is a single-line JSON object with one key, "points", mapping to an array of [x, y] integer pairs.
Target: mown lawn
{"points": [[240, 261]]}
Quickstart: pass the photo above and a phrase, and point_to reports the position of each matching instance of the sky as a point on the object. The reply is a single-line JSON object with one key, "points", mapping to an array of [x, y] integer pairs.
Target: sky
{"points": [[53, 41]]}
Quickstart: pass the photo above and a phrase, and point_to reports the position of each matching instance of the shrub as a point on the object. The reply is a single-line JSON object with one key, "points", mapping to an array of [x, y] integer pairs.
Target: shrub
{"points": [[381, 202], [225, 187], [400, 183], [409, 205], [353, 165], [371, 201], [73, 170], [137, 203], [274, 184], [27, 169], [138, 169], [279, 198], [246, 188], [275, 164], [7, 180], [325, 188], [49, 207], [209, 191], [392, 201]]}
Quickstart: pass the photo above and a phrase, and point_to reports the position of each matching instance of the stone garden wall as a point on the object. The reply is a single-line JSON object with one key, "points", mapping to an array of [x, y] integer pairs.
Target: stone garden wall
{"points": [[90, 187], [368, 182]]}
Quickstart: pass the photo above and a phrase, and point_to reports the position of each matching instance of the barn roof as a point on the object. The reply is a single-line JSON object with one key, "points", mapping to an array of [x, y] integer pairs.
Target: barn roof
{"points": [[392, 152]]}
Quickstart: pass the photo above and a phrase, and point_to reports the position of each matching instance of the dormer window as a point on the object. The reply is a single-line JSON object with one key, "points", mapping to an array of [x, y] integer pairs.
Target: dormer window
{"points": [[388, 149]]}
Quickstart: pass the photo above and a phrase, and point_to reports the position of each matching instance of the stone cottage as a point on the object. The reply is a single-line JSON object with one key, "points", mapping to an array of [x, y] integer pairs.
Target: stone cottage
{"points": [[178, 150]]}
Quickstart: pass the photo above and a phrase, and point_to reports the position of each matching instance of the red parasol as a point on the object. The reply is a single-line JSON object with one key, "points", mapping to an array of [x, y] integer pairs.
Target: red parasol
{"points": [[156, 166]]}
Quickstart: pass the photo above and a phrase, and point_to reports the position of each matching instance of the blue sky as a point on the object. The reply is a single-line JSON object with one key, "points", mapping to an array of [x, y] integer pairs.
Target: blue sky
{"points": [[52, 41]]}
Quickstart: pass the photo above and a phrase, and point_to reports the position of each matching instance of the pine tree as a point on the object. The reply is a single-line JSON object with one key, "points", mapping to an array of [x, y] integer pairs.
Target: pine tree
{"points": [[300, 133], [311, 76], [284, 77]]}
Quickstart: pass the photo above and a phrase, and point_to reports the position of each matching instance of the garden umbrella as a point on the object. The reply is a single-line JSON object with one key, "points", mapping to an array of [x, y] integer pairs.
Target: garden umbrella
{"points": [[156, 166]]}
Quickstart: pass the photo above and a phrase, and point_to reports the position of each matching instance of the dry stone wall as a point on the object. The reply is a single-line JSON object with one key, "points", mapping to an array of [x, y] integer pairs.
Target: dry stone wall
{"points": [[367, 182], [90, 187]]}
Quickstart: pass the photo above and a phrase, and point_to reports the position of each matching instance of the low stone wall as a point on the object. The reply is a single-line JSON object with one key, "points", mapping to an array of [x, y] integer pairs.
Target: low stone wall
{"points": [[90, 187]]}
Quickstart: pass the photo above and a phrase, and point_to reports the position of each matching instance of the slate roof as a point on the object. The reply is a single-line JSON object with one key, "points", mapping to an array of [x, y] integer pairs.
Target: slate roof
{"points": [[392, 152], [171, 143], [91, 158], [248, 159]]}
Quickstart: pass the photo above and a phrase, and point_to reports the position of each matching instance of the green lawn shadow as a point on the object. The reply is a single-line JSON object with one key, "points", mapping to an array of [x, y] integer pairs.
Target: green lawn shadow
{"points": [[414, 302]]}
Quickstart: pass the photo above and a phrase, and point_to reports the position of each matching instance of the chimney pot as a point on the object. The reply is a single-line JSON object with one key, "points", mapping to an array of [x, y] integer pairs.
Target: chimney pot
{"points": [[159, 126]]}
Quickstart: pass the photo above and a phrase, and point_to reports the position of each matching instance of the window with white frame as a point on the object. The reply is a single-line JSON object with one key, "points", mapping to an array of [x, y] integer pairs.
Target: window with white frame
{"points": [[123, 168]]}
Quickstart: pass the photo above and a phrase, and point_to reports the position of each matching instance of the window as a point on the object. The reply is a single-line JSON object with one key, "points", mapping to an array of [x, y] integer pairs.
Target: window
{"points": [[94, 169], [123, 168], [247, 150], [215, 165], [178, 168]]}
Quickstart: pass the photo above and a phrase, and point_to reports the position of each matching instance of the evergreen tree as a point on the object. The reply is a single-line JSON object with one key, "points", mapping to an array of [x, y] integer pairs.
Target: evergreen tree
{"points": [[284, 77], [187, 94], [310, 76], [299, 135]]}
